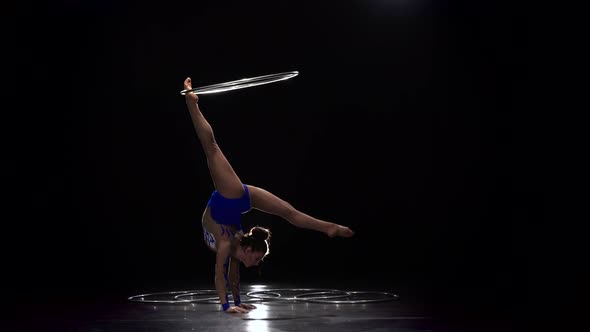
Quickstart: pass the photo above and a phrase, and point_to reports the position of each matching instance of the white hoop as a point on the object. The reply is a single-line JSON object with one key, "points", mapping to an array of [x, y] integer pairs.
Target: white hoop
{"points": [[242, 83]]}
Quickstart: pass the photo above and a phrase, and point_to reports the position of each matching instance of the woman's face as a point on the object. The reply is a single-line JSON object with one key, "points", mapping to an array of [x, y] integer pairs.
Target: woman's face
{"points": [[252, 258]]}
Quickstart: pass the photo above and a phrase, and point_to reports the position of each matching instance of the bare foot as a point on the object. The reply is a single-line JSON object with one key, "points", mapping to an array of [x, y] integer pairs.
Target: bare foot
{"points": [[191, 96], [339, 230]]}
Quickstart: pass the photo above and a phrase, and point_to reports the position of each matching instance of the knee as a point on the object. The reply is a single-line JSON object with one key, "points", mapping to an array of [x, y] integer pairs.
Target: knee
{"points": [[289, 212], [211, 149]]}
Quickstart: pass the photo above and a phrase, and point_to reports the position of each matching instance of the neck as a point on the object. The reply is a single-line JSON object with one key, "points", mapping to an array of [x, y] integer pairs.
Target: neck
{"points": [[239, 253]]}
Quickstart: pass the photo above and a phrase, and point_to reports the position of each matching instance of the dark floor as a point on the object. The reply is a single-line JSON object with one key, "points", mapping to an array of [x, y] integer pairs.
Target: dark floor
{"points": [[376, 311]]}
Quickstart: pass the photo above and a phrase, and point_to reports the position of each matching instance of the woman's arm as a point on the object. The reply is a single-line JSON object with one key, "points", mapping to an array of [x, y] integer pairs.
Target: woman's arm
{"points": [[234, 282], [223, 253]]}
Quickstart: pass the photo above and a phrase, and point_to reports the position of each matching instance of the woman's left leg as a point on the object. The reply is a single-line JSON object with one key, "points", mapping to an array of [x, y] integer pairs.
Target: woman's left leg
{"points": [[265, 201]]}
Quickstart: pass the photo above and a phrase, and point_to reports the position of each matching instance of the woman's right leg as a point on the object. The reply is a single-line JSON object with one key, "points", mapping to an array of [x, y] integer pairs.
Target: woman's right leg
{"points": [[225, 180]]}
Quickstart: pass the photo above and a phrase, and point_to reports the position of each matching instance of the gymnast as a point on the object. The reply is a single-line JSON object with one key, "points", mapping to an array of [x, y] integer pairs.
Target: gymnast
{"points": [[221, 220]]}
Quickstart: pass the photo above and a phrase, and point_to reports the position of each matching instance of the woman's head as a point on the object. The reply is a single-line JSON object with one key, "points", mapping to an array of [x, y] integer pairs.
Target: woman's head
{"points": [[254, 246]]}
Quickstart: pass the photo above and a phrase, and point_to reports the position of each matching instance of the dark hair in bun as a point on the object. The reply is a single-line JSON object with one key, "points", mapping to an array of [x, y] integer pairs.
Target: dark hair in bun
{"points": [[257, 238]]}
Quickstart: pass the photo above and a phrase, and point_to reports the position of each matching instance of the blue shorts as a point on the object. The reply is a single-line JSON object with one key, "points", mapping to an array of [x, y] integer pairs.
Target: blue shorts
{"points": [[228, 211]]}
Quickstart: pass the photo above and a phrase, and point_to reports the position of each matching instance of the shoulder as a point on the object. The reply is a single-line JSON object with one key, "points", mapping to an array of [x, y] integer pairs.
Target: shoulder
{"points": [[223, 249]]}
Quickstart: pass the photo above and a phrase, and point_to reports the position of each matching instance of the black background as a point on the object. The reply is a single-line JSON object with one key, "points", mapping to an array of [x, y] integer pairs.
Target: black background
{"points": [[395, 126]]}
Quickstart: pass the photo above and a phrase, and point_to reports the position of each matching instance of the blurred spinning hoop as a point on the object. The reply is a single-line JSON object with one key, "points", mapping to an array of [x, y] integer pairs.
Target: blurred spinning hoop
{"points": [[241, 84]]}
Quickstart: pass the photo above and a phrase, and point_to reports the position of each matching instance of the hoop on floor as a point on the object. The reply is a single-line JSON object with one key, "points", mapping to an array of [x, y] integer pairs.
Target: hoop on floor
{"points": [[373, 297], [277, 293], [312, 295], [144, 297], [210, 300], [242, 83]]}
